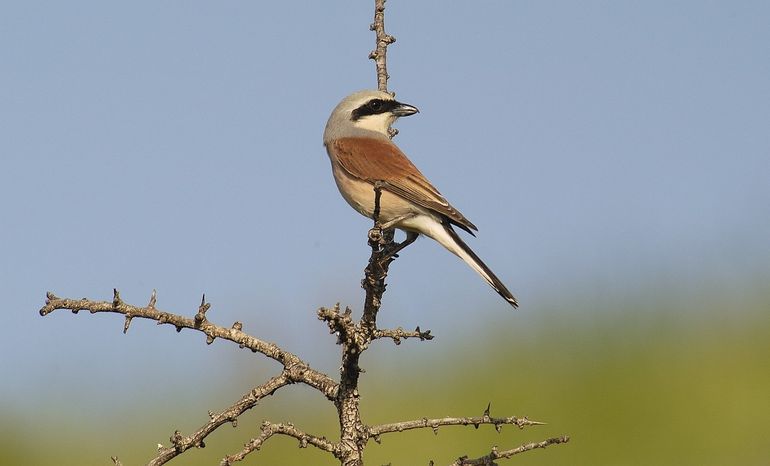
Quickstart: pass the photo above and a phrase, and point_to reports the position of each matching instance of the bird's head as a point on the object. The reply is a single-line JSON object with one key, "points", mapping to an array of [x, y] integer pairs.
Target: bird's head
{"points": [[365, 112]]}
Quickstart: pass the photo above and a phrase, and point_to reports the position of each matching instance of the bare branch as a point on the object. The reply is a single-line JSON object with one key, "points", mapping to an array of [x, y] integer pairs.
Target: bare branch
{"points": [[269, 429], [340, 323], [498, 422], [400, 334], [489, 460], [180, 444], [355, 339], [299, 370], [379, 54]]}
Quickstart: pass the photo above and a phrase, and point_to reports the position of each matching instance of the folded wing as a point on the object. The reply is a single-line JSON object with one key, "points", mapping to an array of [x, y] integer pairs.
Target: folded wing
{"points": [[374, 160]]}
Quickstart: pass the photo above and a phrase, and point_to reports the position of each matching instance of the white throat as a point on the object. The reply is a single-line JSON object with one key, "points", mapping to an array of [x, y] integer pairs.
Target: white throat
{"points": [[379, 123]]}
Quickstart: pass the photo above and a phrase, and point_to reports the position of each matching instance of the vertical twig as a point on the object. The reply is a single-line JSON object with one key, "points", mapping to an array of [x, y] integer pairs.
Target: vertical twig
{"points": [[379, 54], [377, 269], [353, 433], [379, 240]]}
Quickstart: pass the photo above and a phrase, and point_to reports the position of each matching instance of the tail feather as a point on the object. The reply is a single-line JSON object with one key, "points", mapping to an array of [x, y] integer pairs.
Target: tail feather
{"points": [[452, 241]]}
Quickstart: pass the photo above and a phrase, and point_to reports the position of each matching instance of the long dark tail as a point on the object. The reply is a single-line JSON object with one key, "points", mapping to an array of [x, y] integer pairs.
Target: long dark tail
{"points": [[457, 246]]}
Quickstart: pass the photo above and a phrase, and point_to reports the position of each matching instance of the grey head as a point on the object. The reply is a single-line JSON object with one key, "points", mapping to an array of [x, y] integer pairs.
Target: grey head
{"points": [[368, 113]]}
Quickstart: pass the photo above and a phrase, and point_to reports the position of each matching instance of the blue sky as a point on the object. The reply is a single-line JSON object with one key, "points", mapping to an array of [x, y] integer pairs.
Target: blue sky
{"points": [[601, 148]]}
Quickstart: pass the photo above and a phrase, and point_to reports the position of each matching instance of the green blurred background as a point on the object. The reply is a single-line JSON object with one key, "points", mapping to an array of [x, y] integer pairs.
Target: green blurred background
{"points": [[651, 381]]}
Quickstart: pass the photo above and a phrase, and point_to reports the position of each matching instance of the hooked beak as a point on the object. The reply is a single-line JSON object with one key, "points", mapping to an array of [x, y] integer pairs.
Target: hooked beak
{"points": [[402, 110]]}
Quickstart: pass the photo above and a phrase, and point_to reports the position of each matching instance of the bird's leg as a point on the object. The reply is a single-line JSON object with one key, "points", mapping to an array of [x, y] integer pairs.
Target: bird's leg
{"points": [[411, 237], [382, 233], [389, 224], [391, 249], [377, 236]]}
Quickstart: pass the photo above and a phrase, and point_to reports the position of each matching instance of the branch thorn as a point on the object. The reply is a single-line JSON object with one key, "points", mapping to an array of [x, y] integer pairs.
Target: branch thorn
{"points": [[153, 299], [127, 323], [200, 316], [116, 301]]}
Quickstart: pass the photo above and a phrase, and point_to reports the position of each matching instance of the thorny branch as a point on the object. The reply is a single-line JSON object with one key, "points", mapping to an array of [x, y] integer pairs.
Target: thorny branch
{"points": [[231, 414], [434, 424], [294, 371], [269, 429], [379, 54], [299, 370], [354, 337], [495, 454], [400, 334]]}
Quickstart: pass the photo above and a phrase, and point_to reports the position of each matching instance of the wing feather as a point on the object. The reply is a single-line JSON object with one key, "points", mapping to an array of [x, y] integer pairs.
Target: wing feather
{"points": [[374, 160]]}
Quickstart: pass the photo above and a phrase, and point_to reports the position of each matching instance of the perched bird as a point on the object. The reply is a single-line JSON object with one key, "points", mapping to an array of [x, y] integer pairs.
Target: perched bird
{"points": [[361, 153]]}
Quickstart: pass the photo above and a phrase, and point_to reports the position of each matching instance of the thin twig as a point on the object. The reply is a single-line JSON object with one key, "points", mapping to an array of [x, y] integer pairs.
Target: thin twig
{"points": [[299, 370], [400, 334], [379, 54], [180, 444], [489, 460], [434, 424], [269, 429]]}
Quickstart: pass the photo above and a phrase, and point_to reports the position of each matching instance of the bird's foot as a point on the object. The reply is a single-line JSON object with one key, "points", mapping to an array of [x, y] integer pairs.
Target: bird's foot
{"points": [[391, 249]]}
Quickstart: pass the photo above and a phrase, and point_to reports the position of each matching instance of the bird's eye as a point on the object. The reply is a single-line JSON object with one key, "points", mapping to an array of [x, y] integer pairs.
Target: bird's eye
{"points": [[375, 105]]}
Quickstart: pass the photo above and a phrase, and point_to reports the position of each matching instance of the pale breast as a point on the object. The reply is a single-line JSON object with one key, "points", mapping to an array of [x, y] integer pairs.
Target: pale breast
{"points": [[360, 195]]}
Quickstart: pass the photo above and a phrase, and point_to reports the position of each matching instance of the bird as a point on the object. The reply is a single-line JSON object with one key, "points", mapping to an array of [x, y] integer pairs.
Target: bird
{"points": [[363, 156]]}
